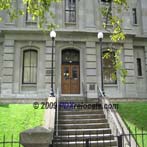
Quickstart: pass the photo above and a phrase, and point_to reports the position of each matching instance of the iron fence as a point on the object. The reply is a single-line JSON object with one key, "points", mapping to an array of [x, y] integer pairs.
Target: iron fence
{"points": [[98, 139], [91, 138], [11, 142], [139, 136]]}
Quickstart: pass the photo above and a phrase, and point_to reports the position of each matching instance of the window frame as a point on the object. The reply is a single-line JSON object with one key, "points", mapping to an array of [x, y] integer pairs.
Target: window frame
{"points": [[71, 52], [114, 82], [70, 10], [134, 16], [139, 67], [28, 17], [25, 51], [105, 19]]}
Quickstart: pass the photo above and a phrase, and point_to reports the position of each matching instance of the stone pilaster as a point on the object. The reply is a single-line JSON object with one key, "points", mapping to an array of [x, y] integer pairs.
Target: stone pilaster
{"points": [[91, 69], [146, 59], [146, 63], [1, 61], [8, 68], [130, 86]]}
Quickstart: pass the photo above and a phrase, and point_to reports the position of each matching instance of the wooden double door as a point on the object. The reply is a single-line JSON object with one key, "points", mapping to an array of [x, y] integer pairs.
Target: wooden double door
{"points": [[70, 79]]}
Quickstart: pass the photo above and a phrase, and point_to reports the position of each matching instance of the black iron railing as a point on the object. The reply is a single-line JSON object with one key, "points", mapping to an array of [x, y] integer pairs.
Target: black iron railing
{"points": [[11, 142], [124, 137], [96, 138], [99, 139]]}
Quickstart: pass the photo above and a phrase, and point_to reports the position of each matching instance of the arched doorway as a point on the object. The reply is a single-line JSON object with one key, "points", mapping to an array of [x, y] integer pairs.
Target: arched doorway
{"points": [[70, 71]]}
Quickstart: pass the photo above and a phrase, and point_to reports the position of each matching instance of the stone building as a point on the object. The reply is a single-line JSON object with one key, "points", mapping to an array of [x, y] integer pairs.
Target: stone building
{"points": [[25, 53]]}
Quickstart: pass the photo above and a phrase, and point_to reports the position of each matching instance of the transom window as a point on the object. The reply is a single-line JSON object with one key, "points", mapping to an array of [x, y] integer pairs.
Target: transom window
{"points": [[30, 67], [109, 71], [70, 56], [70, 11], [106, 1]]}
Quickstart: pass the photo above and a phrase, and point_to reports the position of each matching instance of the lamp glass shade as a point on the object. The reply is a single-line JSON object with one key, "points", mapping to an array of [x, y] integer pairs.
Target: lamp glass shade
{"points": [[100, 35], [52, 34]]}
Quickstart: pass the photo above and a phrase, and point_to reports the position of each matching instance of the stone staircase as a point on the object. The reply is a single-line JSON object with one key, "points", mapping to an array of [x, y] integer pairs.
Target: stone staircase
{"points": [[83, 128]]}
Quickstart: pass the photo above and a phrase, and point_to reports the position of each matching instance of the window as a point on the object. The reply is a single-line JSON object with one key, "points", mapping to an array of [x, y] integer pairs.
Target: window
{"points": [[29, 18], [134, 11], [107, 15], [29, 67], [139, 67], [109, 72], [70, 11], [70, 56], [106, 1]]}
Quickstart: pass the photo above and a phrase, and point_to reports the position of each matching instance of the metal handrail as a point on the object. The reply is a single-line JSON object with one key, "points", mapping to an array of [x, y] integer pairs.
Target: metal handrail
{"points": [[112, 112], [105, 100], [0, 85]]}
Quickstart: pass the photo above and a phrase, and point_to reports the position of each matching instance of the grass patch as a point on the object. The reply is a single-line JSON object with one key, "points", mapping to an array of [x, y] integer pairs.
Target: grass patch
{"points": [[134, 115], [15, 118]]}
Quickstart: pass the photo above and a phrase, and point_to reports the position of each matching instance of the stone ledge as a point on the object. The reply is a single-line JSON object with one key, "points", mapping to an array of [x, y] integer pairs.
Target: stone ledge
{"points": [[128, 99], [21, 100], [41, 136], [36, 137]]}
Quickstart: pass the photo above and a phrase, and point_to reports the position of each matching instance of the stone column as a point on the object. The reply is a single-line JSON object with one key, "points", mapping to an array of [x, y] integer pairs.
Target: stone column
{"points": [[146, 64], [8, 67], [130, 85], [1, 61], [91, 69]]}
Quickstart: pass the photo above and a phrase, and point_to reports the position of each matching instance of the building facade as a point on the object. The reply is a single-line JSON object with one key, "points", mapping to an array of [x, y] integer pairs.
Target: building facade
{"points": [[25, 53]]}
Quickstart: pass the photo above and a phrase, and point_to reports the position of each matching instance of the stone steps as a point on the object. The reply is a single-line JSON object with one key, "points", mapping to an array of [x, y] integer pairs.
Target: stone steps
{"points": [[105, 143], [81, 112], [76, 127], [85, 131], [80, 116], [92, 137], [83, 126], [79, 121]]}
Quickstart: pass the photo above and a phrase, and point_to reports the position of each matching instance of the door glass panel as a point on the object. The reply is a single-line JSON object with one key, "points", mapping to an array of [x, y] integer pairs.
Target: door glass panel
{"points": [[66, 73], [75, 73]]}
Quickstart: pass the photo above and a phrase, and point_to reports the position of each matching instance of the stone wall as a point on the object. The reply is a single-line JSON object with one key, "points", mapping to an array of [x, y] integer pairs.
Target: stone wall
{"points": [[88, 17], [91, 69], [1, 63], [8, 66], [144, 15], [128, 58]]}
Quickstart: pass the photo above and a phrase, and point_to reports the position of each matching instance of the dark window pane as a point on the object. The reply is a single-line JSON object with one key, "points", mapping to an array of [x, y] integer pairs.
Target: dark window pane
{"points": [[109, 72], [26, 58], [29, 67], [70, 11], [66, 73], [105, 1], [74, 72], [26, 77], [134, 11], [139, 67]]}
